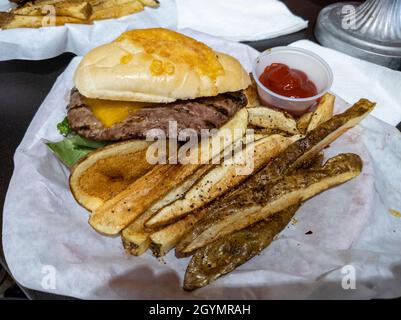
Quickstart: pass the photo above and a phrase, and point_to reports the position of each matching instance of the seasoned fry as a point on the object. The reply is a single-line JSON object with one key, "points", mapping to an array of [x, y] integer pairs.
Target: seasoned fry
{"points": [[136, 239], [115, 9], [226, 254], [71, 8], [150, 3], [272, 119], [313, 163], [292, 158], [303, 122], [167, 238], [12, 21], [261, 202], [324, 111], [118, 212], [164, 240], [221, 178], [35, 14], [102, 4]]}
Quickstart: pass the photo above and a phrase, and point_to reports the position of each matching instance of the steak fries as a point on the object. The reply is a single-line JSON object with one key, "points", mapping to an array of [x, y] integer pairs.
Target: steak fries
{"points": [[258, 202], [227, 253], [220, 179], [256, 207]]}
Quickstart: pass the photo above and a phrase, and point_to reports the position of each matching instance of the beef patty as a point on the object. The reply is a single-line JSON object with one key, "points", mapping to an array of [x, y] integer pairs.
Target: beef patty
{"points": [[202, 113]]}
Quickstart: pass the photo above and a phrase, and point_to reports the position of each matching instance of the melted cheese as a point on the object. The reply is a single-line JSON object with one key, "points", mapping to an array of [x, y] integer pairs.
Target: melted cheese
{"points": [[169, 48], [110, 112], [126, 58]]}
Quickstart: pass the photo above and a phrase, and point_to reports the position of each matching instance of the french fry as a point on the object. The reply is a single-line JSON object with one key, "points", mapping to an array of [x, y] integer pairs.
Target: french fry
{"points": [[324, 111], [313, 163], [103, 4], [106, 11], [303, 122], [12, 21], [150, 3], [222, 178], [274, 197], [221, 220], [272, 119], [136, 239], [164, 240], [117, 213], [71, 8], [226, 254], [136, 236]]}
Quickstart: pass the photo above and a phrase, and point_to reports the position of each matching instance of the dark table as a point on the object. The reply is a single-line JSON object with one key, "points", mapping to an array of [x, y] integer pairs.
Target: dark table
{"points": [[25, 84]]}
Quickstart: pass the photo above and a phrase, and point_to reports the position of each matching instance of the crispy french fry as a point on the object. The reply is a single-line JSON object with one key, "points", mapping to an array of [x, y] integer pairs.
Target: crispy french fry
{"points": [[222, 178], [164, 240], [313, 163], [324, 111], [150, 3], [274, 197], [103, 4], [12, 21], [226, 254], [71, 8], [272, 119], [116, 11], [221, 220], [136, 239], [303, 122], [117, 213]]}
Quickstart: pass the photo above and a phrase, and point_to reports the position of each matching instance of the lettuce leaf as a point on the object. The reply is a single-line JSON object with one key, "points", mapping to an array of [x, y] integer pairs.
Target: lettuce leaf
{"points": [[73, 147], [64, 127]]}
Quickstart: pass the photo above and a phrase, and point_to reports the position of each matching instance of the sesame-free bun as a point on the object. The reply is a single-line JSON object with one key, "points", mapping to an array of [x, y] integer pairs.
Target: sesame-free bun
{"points": [[157, 65]]}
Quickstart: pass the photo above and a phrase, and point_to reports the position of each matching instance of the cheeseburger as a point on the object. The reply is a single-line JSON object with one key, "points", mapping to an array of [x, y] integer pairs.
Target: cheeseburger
{"points": [[146, 78]]}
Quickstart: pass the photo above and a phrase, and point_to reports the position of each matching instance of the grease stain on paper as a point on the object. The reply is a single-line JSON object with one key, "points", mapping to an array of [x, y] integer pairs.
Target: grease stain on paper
{"points": [[395, 213]]}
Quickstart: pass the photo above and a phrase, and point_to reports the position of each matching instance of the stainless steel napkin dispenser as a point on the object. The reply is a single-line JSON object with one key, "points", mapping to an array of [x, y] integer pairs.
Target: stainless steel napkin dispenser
{"points": [[370, 31]]}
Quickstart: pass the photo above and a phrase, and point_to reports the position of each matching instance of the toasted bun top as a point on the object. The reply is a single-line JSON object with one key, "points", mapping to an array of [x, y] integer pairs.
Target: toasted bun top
{"points": [[157, 65]]}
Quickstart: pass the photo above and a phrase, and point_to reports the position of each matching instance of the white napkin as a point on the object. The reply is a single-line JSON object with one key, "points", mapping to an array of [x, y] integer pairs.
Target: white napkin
{"points": [[355, 78], [238, 20]]}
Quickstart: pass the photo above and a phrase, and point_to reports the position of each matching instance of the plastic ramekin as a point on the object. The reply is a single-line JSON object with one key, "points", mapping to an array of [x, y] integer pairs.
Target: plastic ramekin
{"points": [[314, 66]]}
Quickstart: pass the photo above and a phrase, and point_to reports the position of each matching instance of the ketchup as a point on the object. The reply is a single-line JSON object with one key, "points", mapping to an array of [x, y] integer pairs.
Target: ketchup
{"points": [[288, 82]]}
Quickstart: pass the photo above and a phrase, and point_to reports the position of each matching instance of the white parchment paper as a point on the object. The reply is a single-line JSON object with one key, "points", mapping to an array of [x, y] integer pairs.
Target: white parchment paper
{"points": [[48, 42], [353, 232], [225, 19]]}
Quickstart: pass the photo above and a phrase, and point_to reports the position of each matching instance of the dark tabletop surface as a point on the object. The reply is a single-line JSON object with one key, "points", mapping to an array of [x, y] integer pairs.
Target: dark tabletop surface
{"points": [[25, 84]]}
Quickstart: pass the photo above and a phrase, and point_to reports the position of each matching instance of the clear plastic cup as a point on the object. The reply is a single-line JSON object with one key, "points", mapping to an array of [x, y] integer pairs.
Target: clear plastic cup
{"points": [[317, 70]]}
